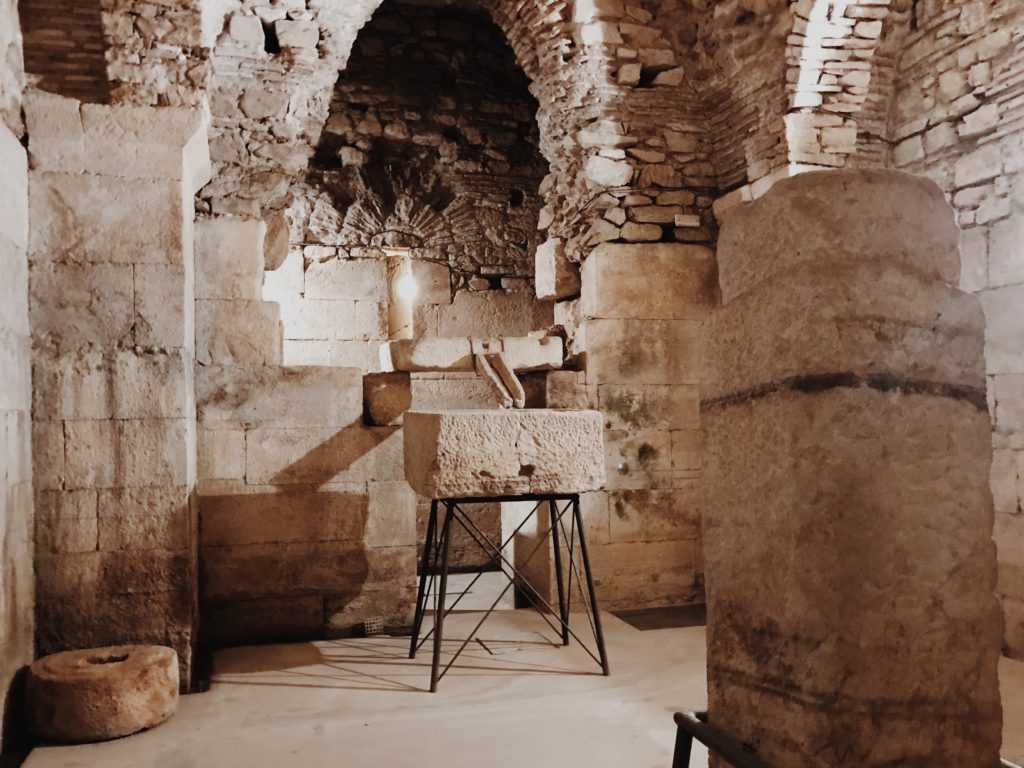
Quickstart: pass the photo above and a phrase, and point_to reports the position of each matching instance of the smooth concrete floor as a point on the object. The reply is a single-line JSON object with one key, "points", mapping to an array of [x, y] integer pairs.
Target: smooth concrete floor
{"points": [[516, 699]]}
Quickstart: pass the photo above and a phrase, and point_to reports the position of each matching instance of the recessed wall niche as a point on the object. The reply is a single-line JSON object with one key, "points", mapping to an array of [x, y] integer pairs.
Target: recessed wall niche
{"points": [[431, 144]]}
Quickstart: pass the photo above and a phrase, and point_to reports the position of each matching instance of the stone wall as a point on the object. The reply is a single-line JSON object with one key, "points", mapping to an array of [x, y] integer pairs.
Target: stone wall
{"points": [[640, 322], [113, 412], [958, 118], [16, 525], [307, 527]]}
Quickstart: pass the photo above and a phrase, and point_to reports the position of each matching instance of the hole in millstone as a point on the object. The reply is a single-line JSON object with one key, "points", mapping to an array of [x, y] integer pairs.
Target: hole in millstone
{"points": [[111, 658], [516, 198], [527, 470]]}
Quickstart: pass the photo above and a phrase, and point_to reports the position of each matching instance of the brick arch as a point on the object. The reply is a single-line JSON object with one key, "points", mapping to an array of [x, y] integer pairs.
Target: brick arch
{"points": [[829, 58], [539, 32]]}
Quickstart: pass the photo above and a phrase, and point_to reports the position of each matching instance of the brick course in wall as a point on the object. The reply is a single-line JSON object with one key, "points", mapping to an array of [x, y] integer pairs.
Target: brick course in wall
{"points": [[65, 48]]}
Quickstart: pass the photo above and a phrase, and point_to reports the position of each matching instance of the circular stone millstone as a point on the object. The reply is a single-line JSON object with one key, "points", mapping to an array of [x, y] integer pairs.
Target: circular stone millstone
{"points": [[101, 693]]}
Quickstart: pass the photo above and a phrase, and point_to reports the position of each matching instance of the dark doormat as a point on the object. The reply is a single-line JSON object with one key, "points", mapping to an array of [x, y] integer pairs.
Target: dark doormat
{"points": [[670, 617]]}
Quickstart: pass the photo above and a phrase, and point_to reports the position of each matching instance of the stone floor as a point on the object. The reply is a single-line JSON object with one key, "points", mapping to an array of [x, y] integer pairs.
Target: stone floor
{"points": [[515, 699]]}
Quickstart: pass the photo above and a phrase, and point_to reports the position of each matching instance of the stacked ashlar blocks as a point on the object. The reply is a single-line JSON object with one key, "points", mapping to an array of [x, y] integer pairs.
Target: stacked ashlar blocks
{"points": [[307, 524], [640, 316], [111, 291]]}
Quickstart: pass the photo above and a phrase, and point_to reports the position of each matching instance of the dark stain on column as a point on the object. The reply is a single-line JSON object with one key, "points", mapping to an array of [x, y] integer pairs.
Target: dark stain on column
{"points": [[821, 382]]}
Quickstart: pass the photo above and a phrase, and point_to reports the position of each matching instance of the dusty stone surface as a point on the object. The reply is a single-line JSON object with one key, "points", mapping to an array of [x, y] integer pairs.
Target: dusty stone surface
{"points": [[386, 397], [669, 103], [618, 281], [17, 600], [890, 216], [804, 466], [523, 353], [112, 351], [488, 453], [101, 693]]}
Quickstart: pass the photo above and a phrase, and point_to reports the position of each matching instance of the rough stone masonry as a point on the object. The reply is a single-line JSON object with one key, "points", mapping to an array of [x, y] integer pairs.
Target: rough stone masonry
{"points": [[193, 386]]}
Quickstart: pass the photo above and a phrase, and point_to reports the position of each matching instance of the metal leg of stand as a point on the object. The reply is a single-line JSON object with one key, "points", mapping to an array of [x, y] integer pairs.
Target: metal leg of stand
{"points": [[681, 753], [442, 593], [598, 633], [425, 566], [562, 607]]}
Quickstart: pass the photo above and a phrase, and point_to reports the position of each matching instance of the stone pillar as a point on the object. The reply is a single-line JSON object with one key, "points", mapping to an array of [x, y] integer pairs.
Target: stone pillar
{"points": [[848, 527], [111, 310]]}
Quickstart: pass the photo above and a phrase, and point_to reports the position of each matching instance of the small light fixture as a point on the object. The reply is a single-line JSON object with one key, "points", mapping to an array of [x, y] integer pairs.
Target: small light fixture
{"points": [[402, 291]]}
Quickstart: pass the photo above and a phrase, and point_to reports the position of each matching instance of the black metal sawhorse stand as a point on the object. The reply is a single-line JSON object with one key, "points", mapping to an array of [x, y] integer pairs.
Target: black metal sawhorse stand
{"points": [[434, 566]]}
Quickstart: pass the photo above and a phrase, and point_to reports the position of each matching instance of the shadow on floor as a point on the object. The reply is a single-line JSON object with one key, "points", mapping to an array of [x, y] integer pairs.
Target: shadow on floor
{"points": [[669, 617], [383, 663]]}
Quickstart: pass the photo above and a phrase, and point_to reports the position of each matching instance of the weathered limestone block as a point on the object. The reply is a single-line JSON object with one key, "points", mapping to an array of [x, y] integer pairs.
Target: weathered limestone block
{"points": [[160, 301], [386, 397], [90, 384], [556, 277], [430, 353], [1004, 341], [641, 351], [848, 521], [297, 34], [356, 279], [433, 282], [132, 142], [14, 192], [238, 397], [145, 518], [54, 124], [480, 453], [101, 693], [128, 453], [320, 455], [914, 314], [220, 455], [256, 571], [321, 319], [490, 314], [76, 306], [105, 219], [849, 215], [229, 254], [656, 282], [454, 390], [671, 578], [238, 332]]}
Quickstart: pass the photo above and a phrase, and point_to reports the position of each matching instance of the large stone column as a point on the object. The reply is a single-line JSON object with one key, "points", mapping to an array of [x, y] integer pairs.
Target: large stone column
{"points": [[848, 527], [114, 427]]}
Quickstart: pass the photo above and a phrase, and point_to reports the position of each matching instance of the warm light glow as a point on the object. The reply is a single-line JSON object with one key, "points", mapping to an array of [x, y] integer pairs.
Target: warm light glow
{"points": [[406, 286]]}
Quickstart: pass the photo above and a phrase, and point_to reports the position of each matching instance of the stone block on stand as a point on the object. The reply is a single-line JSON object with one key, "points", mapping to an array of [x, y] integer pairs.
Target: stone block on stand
{"points": [[493, 453]]}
